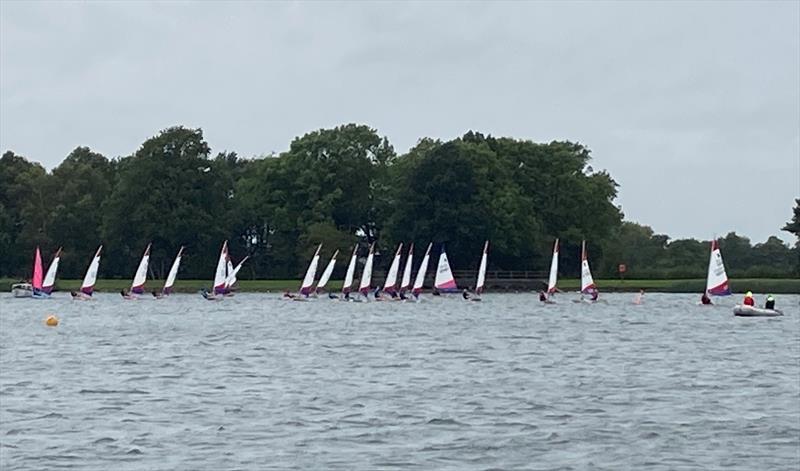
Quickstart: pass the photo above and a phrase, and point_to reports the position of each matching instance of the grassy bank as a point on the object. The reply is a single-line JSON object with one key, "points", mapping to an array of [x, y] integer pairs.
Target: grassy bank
{"points": [[758, 285]]}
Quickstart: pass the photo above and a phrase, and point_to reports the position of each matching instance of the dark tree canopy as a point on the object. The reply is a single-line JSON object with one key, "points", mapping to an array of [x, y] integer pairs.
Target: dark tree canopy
{"points": [[340, 187]]}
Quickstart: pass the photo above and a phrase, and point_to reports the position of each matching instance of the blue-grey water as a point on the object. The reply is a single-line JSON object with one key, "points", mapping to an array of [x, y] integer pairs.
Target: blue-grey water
{"points": [[255, 382]]}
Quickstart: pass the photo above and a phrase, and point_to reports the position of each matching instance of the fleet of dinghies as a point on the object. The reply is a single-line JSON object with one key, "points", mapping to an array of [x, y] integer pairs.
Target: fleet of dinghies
{"points": [[395, 285]]}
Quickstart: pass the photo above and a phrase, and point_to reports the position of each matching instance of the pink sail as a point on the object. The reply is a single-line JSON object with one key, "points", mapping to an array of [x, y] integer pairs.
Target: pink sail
{"points": [[38, 274]]}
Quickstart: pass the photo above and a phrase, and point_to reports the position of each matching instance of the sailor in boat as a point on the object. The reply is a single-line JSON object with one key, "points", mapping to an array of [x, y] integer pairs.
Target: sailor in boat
{"points": [[332, 296], [436, 292], [465, 294], [748, 299], [289, 295], [156, 295], [126, 294], [377, 294], [80, 296], [594, 294], [542, 296], [705, 300], [639, 297], [770, 304]]}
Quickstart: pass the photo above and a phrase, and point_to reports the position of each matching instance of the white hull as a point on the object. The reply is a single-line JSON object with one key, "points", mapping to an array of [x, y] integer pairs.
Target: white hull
{"points": [[22, 290]]}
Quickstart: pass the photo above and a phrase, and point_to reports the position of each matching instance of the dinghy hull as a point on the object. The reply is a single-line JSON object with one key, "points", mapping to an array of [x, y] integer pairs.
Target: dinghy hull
{"points": [[750, 311]]}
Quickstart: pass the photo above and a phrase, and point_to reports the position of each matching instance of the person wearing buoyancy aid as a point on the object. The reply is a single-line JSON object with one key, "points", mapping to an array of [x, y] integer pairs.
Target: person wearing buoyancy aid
{"points": [[770, 304], [748, 299]]}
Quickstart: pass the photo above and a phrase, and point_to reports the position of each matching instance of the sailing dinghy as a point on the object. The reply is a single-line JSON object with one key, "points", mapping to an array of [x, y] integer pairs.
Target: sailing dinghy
{"points": [[390, 286], [481, 273], [311, 273], [423, 267], [348, 277], [87, 287], [326, 276], [231, 279], [173, 273], [137, 287], [717, 280], [50, 278], [588, 287], [220, 276], [366, 275], [444, 281], [552, 280], [405, 285]]}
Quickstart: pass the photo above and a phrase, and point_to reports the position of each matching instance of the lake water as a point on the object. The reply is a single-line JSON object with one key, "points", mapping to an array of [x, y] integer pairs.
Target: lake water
{"points": [[255, 382]]}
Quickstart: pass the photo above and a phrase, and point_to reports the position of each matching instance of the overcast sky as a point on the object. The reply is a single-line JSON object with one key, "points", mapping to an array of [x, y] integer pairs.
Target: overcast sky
{"points": [[693, 107]]}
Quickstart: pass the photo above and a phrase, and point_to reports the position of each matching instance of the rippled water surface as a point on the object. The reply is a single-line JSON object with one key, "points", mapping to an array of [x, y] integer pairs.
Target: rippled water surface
{"points": [[255, 382]]}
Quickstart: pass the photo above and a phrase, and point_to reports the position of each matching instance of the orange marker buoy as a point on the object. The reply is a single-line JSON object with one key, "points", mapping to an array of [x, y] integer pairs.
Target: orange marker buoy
{"points": [[51, 321]]}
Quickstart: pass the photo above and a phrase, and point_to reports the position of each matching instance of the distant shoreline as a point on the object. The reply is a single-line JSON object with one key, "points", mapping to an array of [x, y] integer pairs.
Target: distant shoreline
{"points": [[759, 285]]}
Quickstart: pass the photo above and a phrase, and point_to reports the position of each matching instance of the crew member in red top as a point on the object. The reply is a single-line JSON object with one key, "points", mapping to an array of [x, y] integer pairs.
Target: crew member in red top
{"points": [[748, 299]]}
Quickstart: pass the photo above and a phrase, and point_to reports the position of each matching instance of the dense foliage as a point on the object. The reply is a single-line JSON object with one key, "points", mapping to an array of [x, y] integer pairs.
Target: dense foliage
{"points": [[341, 187]]}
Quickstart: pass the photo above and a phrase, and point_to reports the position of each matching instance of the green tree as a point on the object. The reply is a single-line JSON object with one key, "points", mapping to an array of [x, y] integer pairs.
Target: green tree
{"points": [[327, 177], [171, 194], [24, 213], [80, 186], [793, 226]]}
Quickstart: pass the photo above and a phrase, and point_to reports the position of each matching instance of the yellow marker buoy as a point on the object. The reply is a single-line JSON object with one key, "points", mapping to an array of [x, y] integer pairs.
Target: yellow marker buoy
{"points": [[51, 321]]}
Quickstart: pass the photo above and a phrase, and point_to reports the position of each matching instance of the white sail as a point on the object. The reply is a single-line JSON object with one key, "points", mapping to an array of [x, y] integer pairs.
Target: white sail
{"points": [[551, 282], [221, 273], [50, 277], [406, 283], [311, 273], [141, 273], [173, 273], [482, 269], [423, 267], [390, 286], [231, 280], [326, 275], [444, 275], [87, 287], [366, 275], [587, 282], [351, 271], [717, 280]]}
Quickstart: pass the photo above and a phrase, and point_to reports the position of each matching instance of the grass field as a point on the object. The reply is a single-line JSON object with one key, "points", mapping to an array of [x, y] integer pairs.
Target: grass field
{"points": [[758, 285]]}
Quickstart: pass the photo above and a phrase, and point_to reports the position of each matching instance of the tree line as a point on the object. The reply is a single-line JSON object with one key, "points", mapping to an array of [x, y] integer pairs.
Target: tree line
{"points": [[340, 187]]}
